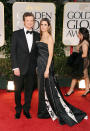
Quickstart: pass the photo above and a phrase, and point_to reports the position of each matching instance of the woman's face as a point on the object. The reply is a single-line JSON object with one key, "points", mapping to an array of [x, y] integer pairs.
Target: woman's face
{"points": [[80, 36], [44, 26]]}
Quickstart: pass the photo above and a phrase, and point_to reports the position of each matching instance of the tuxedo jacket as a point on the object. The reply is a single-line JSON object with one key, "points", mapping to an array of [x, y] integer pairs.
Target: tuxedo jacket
{"points": [[20, 56]]}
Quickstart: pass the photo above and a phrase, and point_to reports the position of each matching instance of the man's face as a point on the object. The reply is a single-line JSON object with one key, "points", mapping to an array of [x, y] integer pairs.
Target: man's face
{"points": [[29, 22]]}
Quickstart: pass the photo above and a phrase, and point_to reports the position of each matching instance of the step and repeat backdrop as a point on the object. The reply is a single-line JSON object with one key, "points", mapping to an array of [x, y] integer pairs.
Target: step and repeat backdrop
{"points": [[1, 24], [76, 15], [40, 10]]}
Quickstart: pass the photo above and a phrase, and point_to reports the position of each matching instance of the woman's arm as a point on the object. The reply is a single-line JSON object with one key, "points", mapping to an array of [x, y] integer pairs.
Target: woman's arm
{"points": [[85, 49], [50, 50]]}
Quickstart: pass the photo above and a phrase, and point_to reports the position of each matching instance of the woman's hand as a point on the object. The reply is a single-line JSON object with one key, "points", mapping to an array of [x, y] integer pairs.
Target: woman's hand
{"points": [[46, 73]]}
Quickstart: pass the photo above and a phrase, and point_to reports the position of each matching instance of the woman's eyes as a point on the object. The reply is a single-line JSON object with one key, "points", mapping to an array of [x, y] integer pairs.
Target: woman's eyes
{"points": [[44, 24]]}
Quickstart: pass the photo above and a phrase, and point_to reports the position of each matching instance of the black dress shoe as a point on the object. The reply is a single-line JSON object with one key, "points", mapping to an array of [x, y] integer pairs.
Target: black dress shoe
{"points": [[27, 114], [17, 115], [85, 94], [69, 94]]}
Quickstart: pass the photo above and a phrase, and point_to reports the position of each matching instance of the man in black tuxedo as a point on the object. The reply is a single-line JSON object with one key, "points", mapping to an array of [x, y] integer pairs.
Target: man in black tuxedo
{"points": [[23, 58]]}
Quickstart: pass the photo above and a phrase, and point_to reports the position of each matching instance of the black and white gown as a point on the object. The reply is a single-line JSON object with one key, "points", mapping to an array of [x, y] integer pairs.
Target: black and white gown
{"points": [[51, 99]]}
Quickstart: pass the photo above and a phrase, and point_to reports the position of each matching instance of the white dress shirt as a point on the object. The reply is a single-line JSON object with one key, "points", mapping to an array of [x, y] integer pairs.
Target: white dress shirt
{"points": [[29, 38]]}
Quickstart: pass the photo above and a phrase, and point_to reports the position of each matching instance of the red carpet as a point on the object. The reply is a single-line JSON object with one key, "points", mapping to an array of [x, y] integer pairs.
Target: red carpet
{"points": [[9, 123]]}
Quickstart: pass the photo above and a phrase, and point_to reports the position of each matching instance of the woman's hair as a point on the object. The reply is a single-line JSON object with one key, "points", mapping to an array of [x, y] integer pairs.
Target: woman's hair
{"points": [[49, 24], [84, 31]]}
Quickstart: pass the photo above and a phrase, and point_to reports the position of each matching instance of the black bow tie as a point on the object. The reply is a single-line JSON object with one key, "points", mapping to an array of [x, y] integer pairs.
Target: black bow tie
{"points": [[29, 32]]}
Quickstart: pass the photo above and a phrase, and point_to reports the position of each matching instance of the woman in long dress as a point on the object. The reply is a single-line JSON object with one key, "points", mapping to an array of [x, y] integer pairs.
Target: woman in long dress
{"points": [[81, 62], [51, 101]]}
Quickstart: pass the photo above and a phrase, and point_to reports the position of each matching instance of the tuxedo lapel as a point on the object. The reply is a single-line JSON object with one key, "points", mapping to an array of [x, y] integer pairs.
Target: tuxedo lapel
{"points": [[33, 37], [34, 40], [25, 44]]}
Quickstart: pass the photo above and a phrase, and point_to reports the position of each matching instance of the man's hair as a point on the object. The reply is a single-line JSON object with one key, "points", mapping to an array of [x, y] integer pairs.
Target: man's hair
{"points": [[28, 14]]}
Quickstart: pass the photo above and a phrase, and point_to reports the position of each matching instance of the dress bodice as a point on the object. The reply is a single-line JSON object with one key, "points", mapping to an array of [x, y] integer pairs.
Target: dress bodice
{"points": [[42, 49]]}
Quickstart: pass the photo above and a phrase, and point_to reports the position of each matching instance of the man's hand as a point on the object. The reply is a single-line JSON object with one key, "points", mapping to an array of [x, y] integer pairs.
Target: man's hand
{"points": [[17, 72]]}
